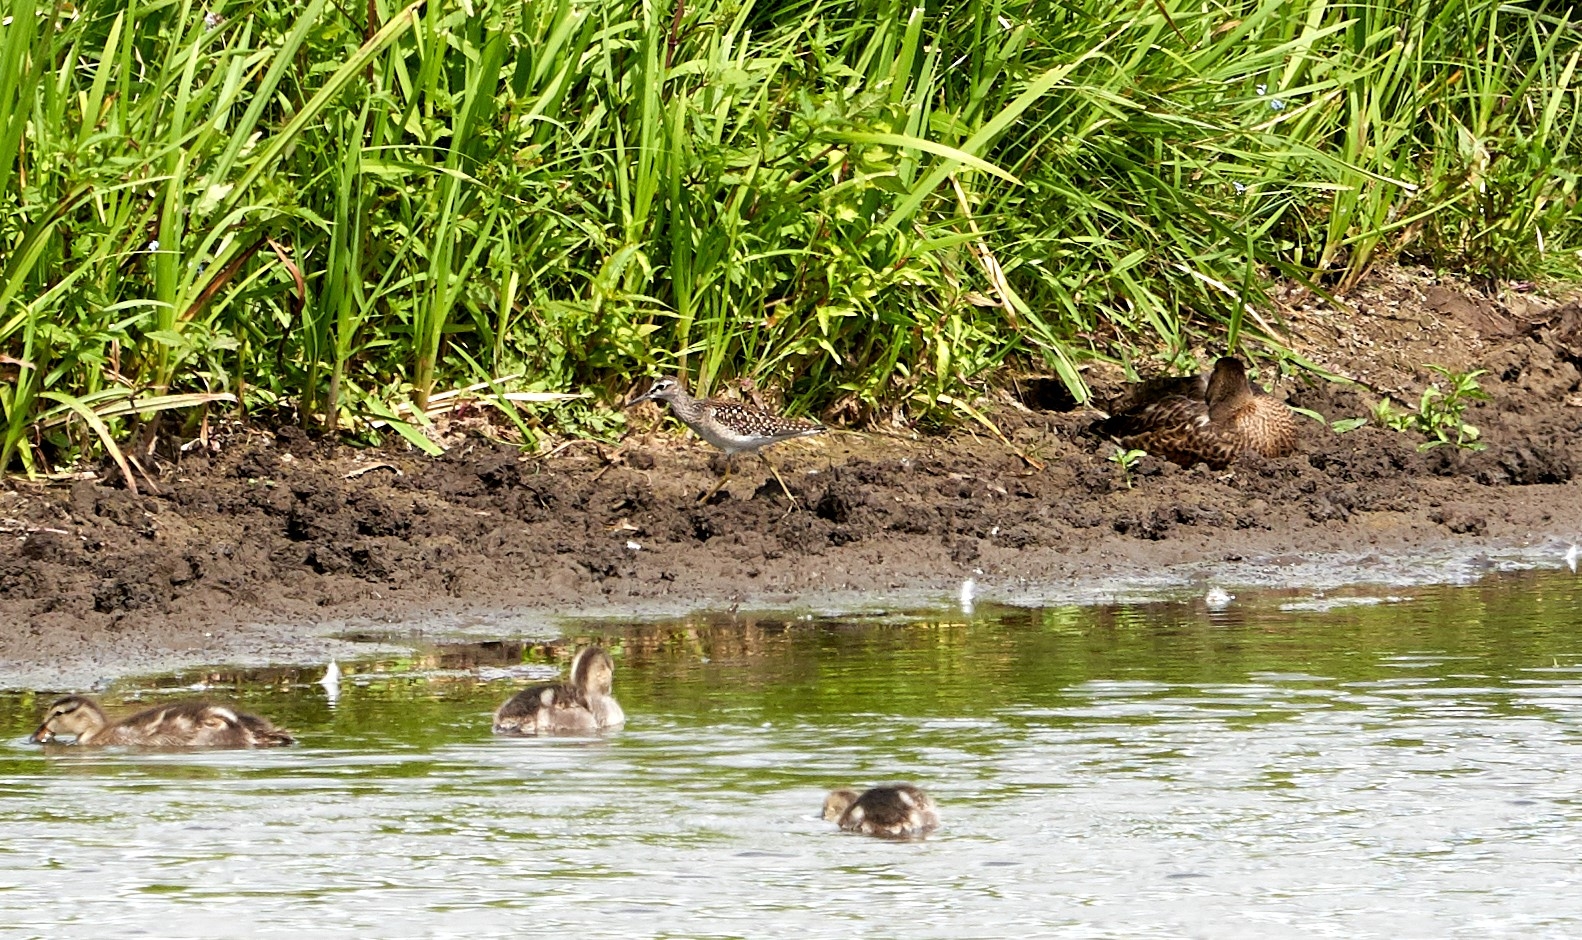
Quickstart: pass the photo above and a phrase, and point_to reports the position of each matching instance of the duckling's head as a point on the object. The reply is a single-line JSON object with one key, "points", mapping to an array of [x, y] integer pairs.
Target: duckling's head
{"points": [[592, 671], [836, 804], [73, 715]]}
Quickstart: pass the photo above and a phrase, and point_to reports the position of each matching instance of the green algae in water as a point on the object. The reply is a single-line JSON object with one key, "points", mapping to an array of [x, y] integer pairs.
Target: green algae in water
{"points": [[1361, 764]]}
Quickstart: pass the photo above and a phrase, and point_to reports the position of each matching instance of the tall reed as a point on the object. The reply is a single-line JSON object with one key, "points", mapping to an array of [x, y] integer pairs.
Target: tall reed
{"points": [[332, 211]]}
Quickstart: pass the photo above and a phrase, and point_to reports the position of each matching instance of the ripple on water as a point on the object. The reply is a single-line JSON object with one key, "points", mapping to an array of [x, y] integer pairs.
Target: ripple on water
{"points": [[1400, 769]]}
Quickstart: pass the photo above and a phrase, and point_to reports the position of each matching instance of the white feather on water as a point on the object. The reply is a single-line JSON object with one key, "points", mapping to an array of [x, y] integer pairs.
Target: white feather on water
{"points": [[332, 681]]}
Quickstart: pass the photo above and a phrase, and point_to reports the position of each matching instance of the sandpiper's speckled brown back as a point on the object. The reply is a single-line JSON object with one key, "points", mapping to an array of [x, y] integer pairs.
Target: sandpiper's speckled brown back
{"points": [[1228, 419]]}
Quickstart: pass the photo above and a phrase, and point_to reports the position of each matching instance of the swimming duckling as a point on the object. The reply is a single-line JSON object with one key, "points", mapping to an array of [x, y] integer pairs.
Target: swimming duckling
{"points": [[1230, 417], [580, 705], [893, 811], [179, 724]]}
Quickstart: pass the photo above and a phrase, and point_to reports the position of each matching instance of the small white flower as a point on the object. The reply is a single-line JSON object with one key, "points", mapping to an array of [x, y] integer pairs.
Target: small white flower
{"points": [[1275, 104], [212, 20], [1239, 187], [1262, 89], [153, 244]]}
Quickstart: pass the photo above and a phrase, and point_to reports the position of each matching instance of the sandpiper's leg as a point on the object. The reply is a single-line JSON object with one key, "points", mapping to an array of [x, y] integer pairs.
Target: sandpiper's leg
{"points": [[730, 464], [783, 488]]}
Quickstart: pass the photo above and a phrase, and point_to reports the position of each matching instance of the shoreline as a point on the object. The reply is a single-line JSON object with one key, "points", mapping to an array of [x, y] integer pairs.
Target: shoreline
{"points": [[396, 627], [262, 546]]}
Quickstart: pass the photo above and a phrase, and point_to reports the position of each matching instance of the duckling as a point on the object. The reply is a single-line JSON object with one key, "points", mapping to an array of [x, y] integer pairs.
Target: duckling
{"points": [[580, 705], [1228, 418], [178, 724], [893, 811]]}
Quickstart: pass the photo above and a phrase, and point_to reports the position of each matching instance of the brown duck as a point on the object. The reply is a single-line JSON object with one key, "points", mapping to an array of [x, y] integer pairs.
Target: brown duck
{"points": [[179, 724], [1213, 420], [893, 811], [581, 705]]}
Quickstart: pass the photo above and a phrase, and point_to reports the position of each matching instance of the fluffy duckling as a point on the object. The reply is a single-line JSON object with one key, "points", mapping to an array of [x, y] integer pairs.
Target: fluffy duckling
{"points": [[580, 705], [1230, 417], [179, 724], [894, 811]]}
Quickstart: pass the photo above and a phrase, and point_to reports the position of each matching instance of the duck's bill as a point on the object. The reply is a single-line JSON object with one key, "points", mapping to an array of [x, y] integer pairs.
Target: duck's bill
{"points": [[42, 736]]}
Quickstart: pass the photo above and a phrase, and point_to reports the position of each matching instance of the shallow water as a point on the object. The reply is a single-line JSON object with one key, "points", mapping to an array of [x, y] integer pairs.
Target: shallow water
{"points": [[1354, 765]]}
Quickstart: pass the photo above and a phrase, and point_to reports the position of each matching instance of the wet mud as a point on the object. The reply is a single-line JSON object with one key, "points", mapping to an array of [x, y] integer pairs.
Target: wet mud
{"points": [[249, 541]]}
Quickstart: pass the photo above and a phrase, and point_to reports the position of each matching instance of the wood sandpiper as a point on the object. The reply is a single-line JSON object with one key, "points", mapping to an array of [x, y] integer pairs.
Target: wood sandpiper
{"points": [[731, 426]]}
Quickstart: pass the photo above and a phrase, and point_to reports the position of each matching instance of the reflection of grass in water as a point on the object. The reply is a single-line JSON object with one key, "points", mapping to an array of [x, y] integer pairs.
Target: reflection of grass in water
{"points": [[1072, 746], [849, 677]]}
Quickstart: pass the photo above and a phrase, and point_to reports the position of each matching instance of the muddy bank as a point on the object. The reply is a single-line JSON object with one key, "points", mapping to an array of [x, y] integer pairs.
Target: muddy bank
{"points": [[268, 544]]}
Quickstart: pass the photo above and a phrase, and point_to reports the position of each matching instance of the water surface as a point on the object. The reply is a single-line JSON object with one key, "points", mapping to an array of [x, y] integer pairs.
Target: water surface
{"points": [[1361, 765]]}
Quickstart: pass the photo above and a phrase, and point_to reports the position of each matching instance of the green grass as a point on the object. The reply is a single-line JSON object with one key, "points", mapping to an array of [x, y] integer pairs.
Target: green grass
{"points": [[873, 206]]}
